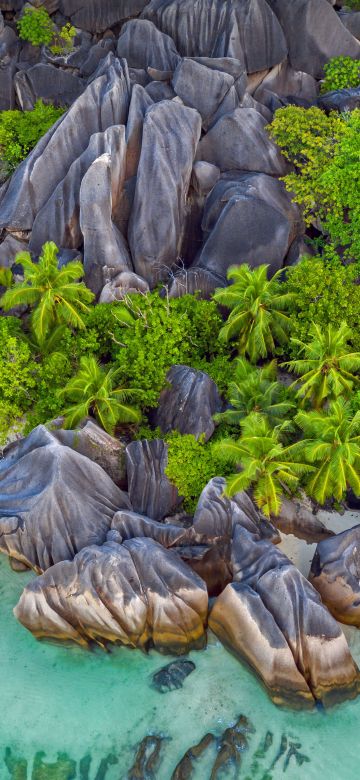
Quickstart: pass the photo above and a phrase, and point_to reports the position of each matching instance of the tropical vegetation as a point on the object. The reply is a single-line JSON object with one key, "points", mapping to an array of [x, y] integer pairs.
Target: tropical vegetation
{"points": [[341, 73], [21, 130]]}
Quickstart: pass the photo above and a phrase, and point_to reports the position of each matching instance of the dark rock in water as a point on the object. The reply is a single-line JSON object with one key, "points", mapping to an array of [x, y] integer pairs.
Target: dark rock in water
{"points": [[110, 760], [53, 501], [340, 100], [64, 768], [172, 676], [17, 767], [146, 759], [335, 573], [227, 755], [296, 518], [189, 404], [184, 769], [97, 445], [98, 15], [135, 593], [151, 492], [84, 767], [282, 750]]}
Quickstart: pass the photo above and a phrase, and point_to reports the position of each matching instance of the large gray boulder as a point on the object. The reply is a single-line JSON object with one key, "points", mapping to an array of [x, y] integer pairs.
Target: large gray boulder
{"points": [[244, 29], [340, 100], [170, 136], [97, 15], [314, 34], [335, 573], [188, 404], [201, 88], [104, 103], [47, 83], [150, 491], [139, 104], [284, 81], [94, 443], [53, 501], [144, 46], [248, 218], [137, 594], [239, 141]]}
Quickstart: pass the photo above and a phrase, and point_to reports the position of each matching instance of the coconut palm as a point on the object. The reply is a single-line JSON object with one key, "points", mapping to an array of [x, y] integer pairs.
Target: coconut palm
{"points": [[256, 390], [331, 444], [325, 371], [93, 390], [258, 305], [265, 466], [55, 293]]}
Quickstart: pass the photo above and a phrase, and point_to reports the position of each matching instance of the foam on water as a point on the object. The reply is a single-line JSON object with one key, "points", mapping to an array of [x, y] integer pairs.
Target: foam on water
{"points": [[60, 699]]}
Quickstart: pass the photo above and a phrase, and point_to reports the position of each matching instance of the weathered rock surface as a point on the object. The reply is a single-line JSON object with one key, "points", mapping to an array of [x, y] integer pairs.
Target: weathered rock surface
{"points": [[97, 445], [137, 594], [296, 518], [335, 573], [201, 87], [188, 405], [47, 83], [340, 100], [144, 46], [247, 217], [170, 135], [98, 15], [140, 102], [53, 501], [244, 29], [172, 676], [150, 491]]}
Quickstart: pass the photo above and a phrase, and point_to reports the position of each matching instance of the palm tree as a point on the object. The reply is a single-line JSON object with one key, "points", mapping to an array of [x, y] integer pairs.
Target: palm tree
{"points": [[256, 390], [331, 444], [258, 307], [326, 370], [56, 294], [264, 464], [94, 390]]}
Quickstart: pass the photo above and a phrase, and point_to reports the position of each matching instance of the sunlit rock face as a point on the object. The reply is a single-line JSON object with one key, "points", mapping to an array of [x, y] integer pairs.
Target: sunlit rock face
{"points": [[53, 501], [137, 594], [335, 573]]}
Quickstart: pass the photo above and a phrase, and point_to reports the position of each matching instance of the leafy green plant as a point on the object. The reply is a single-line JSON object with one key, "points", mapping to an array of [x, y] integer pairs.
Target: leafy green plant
{"points": [[191, 464], [331, 445], [94, 390], [18, 376], [258, 305], [5, 277], [255, 389], [52, 371], [324, 291], [341, 73], [325, 152], [325, 371], [35, 25], [63, 40], [21, 130], [56, 294], [263, 463]]}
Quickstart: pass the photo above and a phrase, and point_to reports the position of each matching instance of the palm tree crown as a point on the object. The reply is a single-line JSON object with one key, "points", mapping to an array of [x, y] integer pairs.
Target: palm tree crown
{"points": [[258, 307], [331, 444], [264, 464], [94, 390], [326, 370], [256, 390], [56, 294]]}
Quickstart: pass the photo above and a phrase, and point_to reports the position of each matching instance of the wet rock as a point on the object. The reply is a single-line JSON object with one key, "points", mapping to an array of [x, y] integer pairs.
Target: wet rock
{"points": [[47, 83], [319, 34], [188, 405], [144, 46], [239, 141], [53, 501], [170, 135], [184, 769], [247, 31], [297, 518], [98, 15], [172, 676], [201, 88], [146, 759], [97, 445], [335, 573], [340, 100], [136, 593], [247, 216], [150, 491], [104, 103]]}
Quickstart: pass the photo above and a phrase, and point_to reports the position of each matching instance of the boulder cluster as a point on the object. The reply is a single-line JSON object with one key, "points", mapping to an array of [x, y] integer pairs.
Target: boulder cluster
{"points": [[162, 170]]}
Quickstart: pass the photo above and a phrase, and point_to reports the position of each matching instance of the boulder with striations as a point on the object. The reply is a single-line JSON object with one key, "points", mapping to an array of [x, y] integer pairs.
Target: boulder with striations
{"points": [[188, 404], [335, 573], [150, 491]]}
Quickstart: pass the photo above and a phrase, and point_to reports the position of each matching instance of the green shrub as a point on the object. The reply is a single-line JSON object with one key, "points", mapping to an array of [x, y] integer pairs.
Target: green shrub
{"points": [[36, 26], [64, 40], [21, 130], [326, 292], [18, 375], [191, 464], [52, 373], [341, 73]]}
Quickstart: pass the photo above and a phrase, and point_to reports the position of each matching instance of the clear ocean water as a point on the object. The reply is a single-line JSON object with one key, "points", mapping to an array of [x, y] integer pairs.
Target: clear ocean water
{"points": [[86, 712]]}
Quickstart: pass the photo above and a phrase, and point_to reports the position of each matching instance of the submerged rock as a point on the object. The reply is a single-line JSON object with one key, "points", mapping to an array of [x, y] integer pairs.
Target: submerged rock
{"points": [[184, 769], [146, 759], [172, 676], [335, 573]]}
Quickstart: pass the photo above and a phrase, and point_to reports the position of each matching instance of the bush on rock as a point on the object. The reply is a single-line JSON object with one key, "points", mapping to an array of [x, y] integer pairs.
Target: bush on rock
{"points": [[21, 130]]}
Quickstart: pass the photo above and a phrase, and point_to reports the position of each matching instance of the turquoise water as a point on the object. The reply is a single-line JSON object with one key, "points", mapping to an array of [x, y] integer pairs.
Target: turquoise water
{"points": [[60, 699]]}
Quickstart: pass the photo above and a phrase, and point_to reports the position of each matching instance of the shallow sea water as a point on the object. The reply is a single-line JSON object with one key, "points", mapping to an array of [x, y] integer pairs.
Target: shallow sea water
{"points": [[64, 700]]}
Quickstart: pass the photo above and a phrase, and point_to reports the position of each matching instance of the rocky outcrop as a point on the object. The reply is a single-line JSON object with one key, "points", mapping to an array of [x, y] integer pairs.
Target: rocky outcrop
{"points": [[47, 83], [136, 594], [53, 501], [145, 47], [340, 100], [97, 445], [335, 573], [188, 404], [296, 518], [97, 15], [151, 492], [202, 88]]}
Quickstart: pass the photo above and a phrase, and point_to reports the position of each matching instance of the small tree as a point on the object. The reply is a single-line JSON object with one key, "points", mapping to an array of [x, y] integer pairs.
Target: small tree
{"points": [[326, 370], [56, 295], [258, 307], [93, 390]]}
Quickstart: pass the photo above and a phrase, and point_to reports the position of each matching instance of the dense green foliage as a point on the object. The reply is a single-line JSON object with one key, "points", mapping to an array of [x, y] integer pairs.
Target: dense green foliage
{"points": [[36, 26], [17, 376], [63, 40], [21, 130], [56, 294], [341, 73], [257, 316], [191, 464], [325, 150]]}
